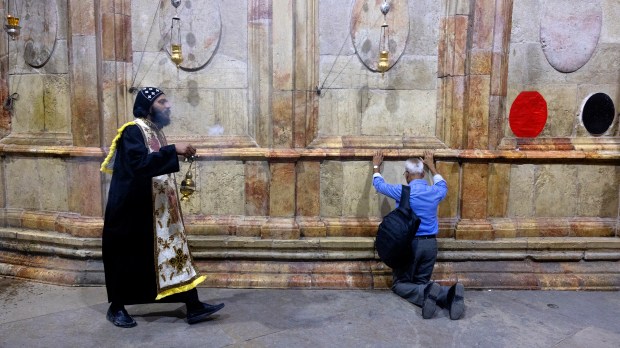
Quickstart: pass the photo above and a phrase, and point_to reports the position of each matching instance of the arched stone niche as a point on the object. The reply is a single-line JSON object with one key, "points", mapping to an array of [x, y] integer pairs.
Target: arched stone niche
{"points": [[39, 31], [201, 30]]}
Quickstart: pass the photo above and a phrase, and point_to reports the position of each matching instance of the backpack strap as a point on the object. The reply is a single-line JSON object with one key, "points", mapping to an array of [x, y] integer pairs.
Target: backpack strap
{"points": [[404, 197]]}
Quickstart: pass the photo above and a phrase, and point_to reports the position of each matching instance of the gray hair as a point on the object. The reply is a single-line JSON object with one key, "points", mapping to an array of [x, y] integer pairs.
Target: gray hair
{"points": [[414, 166]]}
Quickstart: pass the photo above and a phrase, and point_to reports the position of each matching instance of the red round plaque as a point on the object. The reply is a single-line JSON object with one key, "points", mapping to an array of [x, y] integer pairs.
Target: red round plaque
{"points": [[528, 114]]}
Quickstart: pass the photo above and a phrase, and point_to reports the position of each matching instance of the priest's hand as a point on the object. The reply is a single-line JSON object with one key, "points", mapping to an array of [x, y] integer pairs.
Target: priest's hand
{"points": [[184, 149]]}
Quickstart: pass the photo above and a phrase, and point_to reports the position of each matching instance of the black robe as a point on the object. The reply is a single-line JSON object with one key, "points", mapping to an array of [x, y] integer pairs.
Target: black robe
{"points": [[128, 234]]}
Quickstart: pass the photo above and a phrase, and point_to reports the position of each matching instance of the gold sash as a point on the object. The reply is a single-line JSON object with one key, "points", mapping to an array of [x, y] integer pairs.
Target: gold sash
{"points": [[174, 265]]}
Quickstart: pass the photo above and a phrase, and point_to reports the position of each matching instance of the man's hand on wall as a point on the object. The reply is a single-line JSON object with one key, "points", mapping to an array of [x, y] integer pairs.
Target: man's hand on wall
{"points": [[185, 149]]}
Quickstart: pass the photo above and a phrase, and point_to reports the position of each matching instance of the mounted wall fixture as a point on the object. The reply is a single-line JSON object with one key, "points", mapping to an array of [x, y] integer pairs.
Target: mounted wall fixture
{"points": [[176, 51], [12, 21], [384, 38]]}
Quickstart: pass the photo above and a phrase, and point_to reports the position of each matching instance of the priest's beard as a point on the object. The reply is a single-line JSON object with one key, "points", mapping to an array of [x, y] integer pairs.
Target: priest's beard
{"points": [[161, 117]]}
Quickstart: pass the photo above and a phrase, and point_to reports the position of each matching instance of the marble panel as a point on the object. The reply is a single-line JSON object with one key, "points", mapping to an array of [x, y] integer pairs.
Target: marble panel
{"points": [[610, 33], [36, 184], [257, 188], [332, 181], [603, 68], [555, 190], [424, 27], [85, 104], [562, 106], [400, 112], [207, 112], [340, 110], [521, 193], [450, 171], [499, 189], [525, 27], [414, 72], [56, 96], [308, 188], [84, 195], [282, 120], [483, 24], [282, 190], [359, 198], [475, 191], [334, 21], [82, 17], [598, 190], [220, 187], [21, 180], [478, 113], [108, 39], [29, 110]]}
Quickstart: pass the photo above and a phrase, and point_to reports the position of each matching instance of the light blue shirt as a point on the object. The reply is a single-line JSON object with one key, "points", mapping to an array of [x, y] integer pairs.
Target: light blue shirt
{"points": [[424, 199]]}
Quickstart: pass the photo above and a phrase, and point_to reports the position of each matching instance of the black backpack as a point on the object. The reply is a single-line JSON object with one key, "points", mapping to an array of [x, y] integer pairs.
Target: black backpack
{"points": [[393, 242]]}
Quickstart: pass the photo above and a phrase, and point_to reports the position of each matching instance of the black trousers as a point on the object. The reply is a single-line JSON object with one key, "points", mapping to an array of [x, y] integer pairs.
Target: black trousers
{"points": [[189, 297], [411, 281]]}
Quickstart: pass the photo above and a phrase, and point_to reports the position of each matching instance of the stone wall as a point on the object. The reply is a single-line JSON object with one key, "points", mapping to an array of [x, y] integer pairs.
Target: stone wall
{"points": [[285, 104]]}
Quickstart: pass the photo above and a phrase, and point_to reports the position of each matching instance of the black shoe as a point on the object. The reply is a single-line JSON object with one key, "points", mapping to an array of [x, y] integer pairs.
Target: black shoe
{"points": [[119, 317], [430, 301], [456, 302], [196, 315]]}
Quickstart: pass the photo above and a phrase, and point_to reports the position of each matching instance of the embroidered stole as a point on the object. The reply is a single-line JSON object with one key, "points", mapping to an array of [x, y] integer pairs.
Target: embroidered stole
{"points": [[174, 265]]}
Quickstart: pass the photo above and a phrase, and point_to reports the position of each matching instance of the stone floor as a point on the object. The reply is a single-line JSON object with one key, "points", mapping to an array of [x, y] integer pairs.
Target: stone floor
{"points": [[42, 315]]}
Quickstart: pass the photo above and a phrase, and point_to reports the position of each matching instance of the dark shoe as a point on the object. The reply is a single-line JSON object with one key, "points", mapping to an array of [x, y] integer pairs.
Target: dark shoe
{"points": [[196, 315], [430, 301], [119, 317], [456, 302]]}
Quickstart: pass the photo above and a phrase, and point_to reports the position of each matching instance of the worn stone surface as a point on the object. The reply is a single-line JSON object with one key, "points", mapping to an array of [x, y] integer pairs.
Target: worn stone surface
{"points": [[598, 191], [554, 187], [475, 191]]}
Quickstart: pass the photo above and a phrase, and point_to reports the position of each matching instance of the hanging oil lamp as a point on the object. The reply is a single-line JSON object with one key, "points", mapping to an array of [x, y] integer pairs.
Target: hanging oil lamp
{"points": [[384, 63], [188, 185], [176, 53]]}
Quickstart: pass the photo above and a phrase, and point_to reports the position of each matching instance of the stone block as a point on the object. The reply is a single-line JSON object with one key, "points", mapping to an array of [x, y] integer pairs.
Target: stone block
{"points": [[554, 187], [332, 182], [413, 72], [82, 15], [282, 189], [308, 188], [610, 32], [56, 96], [424, 27], [598, 190], [282, 120], [340, 110], [280, 228], [450, 171], [499, 188], [521, 194], [219, 186], [256, 188], [359, 198], [31, 106], [83, 176], [393, 112], [474, 193], [483, 23], [478, 113], [474, 230]]}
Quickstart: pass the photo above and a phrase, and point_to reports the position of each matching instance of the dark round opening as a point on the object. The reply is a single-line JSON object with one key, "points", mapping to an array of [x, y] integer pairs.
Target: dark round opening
{"points": [[598, 113]]}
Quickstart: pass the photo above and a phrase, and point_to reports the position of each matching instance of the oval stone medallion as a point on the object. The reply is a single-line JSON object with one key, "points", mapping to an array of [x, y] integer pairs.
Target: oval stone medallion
{"points": [[366, 22], [201, 30], [569, 32], [39, 29]]}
